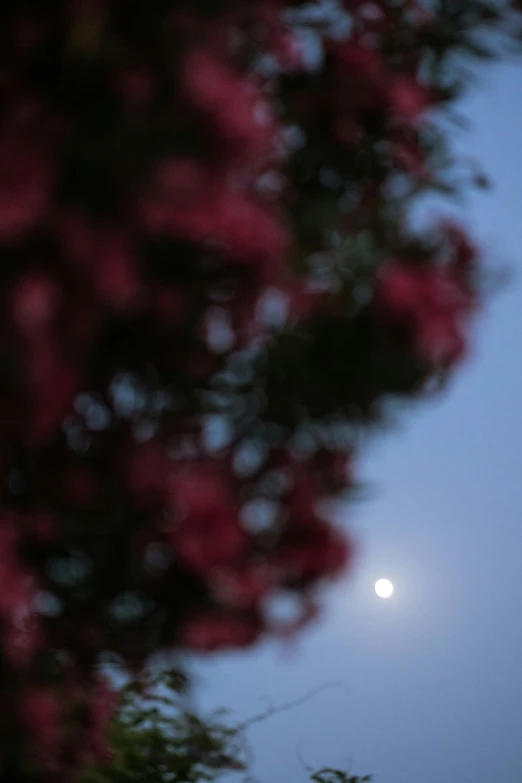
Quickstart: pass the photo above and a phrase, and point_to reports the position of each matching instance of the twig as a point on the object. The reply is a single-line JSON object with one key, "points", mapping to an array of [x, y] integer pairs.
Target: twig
{"points": [[268, 713]]}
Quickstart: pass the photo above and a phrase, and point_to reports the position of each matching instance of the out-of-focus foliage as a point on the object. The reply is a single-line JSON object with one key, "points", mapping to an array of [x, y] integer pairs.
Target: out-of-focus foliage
{"points": [[156, 738], [212, 286]]}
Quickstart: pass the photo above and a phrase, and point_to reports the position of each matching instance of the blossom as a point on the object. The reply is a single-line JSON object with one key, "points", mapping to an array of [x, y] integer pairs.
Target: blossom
{"points": [[154, 188], [34, 302], [211, 631], [25, 188], [238, 111], [115, 271], [433, 302], [362, 67], [210, 540], [233, 223], [311, 549], [209, 535], [243, 586], [409, 98]]}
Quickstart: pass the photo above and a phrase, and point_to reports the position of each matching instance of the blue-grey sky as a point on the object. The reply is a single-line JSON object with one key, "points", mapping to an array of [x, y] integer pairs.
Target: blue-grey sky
{"points": [[433, 680]]}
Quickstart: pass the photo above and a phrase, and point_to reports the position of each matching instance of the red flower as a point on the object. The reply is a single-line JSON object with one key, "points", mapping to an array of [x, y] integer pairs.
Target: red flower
{"points": [[209, 535], [25, 188], [363, 70], [180, 179], [209, 541], [104, 258], [40, 711], [243, 587], [226, 220], [288, 50], [312, 549], [211, 631], [409, 98], [115, 272], [22, 640], [238, 111], [433, 302], [34, 303]]}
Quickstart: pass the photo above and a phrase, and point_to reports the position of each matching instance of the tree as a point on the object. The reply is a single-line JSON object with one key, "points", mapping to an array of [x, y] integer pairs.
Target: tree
{"points": [[157, 738], [212, 288]]}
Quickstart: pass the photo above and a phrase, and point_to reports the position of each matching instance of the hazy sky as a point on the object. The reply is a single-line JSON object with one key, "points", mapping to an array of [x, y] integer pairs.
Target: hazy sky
{"points": [[432, 677]]}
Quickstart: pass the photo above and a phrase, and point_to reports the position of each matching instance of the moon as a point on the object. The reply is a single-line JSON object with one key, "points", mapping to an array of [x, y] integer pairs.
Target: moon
{"points": [[383, 588]]}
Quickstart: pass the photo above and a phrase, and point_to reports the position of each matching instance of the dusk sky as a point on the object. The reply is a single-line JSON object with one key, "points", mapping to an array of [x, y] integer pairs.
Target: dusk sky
{"points": [[431, 678]]}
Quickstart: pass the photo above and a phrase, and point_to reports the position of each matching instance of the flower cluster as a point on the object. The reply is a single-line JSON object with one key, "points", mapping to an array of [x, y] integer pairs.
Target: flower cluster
{"points": [[190, 340]]}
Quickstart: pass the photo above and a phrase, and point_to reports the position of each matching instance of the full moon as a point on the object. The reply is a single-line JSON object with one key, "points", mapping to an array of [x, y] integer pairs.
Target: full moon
{"points": [[383, 588]]}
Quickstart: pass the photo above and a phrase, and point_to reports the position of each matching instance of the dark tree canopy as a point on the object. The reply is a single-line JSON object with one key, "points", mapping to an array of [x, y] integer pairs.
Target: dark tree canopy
{"points": [[211, 288]]}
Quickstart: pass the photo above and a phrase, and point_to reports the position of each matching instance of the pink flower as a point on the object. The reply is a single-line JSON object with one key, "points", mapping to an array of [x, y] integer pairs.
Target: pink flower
{"points": [[22, 640], [433, 302], [209, 535], [209, 539], [40, 711], [237, 109], [311, 549], [288, 50], [242, 587], [228, 221], [104, 258], [116, 276], [409, 98], [211, 631], [34, 303], [180, 179], [25, 188], [362, 70]]}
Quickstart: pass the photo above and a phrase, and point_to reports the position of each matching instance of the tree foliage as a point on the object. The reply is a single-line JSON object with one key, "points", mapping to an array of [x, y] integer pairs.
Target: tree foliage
{"points": [[156, 737], [212, 286]]}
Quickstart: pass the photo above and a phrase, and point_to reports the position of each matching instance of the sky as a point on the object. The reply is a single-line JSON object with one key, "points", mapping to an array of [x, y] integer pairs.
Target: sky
{"points": [[428, 687]]}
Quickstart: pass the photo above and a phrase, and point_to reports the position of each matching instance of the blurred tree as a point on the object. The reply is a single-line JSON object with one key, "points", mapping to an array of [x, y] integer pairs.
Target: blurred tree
{"points": [[212, 284], [156, 738]]}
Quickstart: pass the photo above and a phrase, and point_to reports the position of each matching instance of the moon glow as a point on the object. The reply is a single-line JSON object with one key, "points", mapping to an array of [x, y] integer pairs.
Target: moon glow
{"points": [[383, 588]]}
